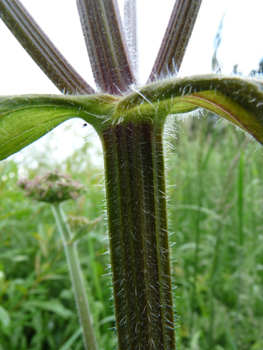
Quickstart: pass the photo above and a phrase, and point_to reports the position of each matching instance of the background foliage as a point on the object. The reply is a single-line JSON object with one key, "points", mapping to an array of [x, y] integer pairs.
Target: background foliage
{"points": [[216, 200]]}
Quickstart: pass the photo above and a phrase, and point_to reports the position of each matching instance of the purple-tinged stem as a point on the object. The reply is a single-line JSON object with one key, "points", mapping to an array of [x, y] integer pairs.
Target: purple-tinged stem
{"points": [[41, 49], [139, 245], [105, 41], [176, 38], [130, 29]]}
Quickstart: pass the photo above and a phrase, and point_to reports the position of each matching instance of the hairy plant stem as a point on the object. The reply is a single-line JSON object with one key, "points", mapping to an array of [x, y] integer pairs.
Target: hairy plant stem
{"points": [[76, 278], [176, 38], [41, 49], [105, 41], [139, 246]]}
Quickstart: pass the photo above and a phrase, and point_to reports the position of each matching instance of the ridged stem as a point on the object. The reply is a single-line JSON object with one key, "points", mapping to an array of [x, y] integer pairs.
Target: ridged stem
{"points": [[104, 37], [139, 247], [41, 49], [76, 278], [176, 38], [131, 33]]}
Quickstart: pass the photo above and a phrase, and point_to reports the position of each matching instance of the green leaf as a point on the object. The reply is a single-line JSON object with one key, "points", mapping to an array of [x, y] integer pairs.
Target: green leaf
{"points": [[71, 340], [240, 100], [51, 305], [86, 228], [24, 119], [4, 317]]}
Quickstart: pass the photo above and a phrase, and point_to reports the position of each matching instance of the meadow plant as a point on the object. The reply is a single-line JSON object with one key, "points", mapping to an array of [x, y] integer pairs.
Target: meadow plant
{"points": [[129, 121], [55, 188]]}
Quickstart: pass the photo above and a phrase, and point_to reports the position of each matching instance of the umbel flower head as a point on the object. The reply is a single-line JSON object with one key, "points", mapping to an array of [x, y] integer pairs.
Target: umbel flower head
{"points": [[53, 187]]}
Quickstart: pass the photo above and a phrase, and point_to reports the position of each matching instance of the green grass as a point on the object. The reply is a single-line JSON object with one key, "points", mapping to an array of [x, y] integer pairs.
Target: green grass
{"points": [[216, 217], [34, 286], [216, 220]]}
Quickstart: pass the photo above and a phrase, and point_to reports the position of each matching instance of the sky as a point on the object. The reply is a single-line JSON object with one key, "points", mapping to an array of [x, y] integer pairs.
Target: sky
{"points": [[241, 44]]}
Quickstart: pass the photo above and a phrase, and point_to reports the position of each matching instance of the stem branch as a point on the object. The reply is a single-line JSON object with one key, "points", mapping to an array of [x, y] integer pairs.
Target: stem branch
{"points": [[41, 49]]}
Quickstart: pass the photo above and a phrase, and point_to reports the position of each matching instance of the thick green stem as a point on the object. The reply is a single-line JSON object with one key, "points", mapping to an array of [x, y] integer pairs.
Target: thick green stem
{"points": [[76, 278], [139, 246]]}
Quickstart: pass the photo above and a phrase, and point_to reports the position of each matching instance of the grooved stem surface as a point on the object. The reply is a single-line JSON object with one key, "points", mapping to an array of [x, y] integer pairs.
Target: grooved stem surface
{"points": [[138, 234], [103, 33], [176, 38], [41, 49]]}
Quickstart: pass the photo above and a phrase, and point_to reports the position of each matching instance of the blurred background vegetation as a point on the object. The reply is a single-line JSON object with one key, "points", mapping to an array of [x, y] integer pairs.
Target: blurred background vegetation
{"points": [[215, 188]]}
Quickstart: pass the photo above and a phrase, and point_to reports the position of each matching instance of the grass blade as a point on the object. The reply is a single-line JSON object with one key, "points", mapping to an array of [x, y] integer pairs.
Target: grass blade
{"points": [[71, 340], [24, 119]]}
